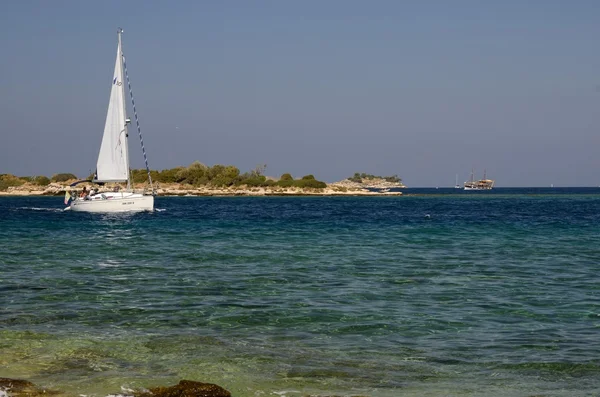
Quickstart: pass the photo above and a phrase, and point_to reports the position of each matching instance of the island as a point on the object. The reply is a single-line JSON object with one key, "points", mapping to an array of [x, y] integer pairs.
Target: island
{"points": [[198, 179]]}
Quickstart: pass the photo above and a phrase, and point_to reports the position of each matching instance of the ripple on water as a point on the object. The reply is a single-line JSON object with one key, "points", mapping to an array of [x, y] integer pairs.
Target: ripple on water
{"points": [[338, 296]]}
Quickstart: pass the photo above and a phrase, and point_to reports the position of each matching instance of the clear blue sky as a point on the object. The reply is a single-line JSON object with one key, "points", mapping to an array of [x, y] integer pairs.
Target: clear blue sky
{"points": [[422, 89]]}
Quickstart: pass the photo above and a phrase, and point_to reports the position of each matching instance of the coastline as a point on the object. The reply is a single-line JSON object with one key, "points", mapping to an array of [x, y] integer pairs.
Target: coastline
{"points": [[171, 190]]}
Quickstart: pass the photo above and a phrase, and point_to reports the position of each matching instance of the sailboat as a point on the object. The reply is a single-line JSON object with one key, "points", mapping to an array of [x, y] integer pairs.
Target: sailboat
{"points": [[482, 184], [456, 185], [113, 159]]}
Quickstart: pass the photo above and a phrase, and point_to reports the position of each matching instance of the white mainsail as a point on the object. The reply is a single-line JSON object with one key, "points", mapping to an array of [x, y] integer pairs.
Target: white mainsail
{"points": [[113, 162]]}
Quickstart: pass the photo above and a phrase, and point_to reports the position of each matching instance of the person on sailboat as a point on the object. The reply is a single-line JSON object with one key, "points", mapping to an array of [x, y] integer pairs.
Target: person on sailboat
{"points": [[84, 193]]}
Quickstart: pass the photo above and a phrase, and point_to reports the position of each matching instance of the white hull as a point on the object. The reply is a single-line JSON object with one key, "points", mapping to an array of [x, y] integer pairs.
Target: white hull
{"points": [[114, 202]]}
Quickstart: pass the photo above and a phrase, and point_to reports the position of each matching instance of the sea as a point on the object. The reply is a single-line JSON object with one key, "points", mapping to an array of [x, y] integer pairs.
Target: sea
{"points": [[439, 292]]}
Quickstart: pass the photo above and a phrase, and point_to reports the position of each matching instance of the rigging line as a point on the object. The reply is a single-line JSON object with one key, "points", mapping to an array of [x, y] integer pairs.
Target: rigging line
{"points": [[137, 122]]}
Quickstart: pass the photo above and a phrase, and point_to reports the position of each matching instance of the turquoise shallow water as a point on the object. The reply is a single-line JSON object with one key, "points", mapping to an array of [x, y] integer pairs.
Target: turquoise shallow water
{"points": [[492, 295]]}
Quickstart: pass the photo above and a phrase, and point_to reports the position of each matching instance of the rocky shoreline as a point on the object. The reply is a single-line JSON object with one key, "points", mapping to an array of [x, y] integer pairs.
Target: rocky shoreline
{"points": [[342, 188], [185, 388], [375, 183]]}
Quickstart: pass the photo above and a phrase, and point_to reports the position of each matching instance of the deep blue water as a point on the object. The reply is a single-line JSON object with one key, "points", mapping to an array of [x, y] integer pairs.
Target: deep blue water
{"points": [[444, 293]]}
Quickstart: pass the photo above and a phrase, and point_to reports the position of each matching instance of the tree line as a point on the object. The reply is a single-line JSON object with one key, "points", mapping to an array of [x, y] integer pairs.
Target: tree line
{"points": [[196, 174], [359, 177]]}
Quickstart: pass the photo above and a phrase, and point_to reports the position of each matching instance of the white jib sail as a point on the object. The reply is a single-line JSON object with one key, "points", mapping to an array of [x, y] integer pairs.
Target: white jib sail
{"points": [[113, 164]]}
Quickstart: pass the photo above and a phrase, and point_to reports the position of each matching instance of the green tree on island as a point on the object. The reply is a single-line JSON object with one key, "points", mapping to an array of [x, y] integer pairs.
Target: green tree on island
{"points": [[359, 178]]}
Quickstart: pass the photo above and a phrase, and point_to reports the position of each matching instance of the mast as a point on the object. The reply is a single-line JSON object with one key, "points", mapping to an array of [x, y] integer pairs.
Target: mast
{"points": [[137, 121], [119, 32]]}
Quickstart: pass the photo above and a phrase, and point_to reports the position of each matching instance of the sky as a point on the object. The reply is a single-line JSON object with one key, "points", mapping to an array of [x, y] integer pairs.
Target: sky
{"points": [[428, 90]]}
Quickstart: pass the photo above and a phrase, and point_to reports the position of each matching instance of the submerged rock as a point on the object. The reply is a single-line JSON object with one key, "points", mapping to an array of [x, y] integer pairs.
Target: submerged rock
{"points": [[186, 388], [22, 388]]}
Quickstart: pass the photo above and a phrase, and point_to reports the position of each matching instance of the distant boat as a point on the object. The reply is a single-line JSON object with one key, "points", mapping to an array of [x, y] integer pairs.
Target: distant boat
{"points": [[113, 159], [456, 185], [482, 184]]}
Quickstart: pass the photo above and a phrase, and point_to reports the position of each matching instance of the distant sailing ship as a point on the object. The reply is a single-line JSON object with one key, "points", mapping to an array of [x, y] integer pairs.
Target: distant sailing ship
{"points": [[482, 184]]}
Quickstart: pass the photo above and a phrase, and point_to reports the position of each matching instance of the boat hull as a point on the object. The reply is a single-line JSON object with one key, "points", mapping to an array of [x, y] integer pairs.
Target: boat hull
{"points": [[483, 184], [477, 188], [114, 202]]}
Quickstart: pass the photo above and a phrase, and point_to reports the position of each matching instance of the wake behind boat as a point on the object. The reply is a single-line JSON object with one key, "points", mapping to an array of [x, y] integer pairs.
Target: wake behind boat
{"points": [[113, 159]]}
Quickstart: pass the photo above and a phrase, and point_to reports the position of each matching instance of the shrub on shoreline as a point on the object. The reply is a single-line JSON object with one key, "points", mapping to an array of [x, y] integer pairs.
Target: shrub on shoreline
{"points": [[8, 180], [63, 177]]}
